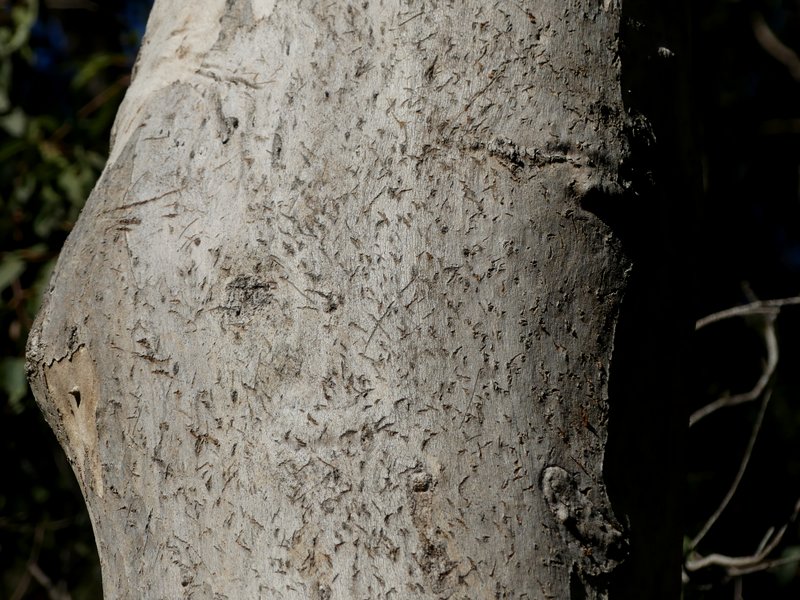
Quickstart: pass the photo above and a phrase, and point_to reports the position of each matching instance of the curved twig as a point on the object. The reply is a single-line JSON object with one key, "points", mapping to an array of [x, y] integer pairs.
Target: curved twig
{"points": [[759, 307], [740, 473], [742, 565], [772, 44], [771, 343]]}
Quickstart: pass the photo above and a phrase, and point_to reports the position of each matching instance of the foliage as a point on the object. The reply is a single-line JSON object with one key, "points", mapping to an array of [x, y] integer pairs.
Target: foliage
{"points": [[63, 72]]}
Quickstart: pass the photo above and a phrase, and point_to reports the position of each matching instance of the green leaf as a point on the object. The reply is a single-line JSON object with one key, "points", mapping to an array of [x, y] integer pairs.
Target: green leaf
{"points": [[51, 214], [5, 85], [24, 188], [69, 180], [15, 122], [40, 286], [11, 267], [786, 572], [92, 67], [13, 382], [8, 150], [23, 16], [40, 494]]}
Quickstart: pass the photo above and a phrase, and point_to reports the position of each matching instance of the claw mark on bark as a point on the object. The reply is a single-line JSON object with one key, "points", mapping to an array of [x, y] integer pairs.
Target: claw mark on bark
{"points": [[146, 200], [378, 324]]}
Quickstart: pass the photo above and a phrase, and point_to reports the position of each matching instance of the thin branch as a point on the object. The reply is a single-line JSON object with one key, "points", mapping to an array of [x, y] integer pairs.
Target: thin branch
{"points": [[729, 562], [742, 565], [104, 96], [36, 546], [774, 46], [771, 343], [742, 467], [52, 590], [767, 564], [99, 100], [759, 307], [71, 4]]}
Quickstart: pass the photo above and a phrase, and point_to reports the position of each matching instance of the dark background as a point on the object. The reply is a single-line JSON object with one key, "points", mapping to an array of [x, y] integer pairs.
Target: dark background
{"points": [[64, 67], [747, 246]]}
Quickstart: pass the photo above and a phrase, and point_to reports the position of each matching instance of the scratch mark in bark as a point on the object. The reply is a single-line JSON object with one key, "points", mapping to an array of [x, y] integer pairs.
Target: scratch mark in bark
{"points": [[146, 200], [234, 79], [378, 324], [471, 396], [411, 18]]}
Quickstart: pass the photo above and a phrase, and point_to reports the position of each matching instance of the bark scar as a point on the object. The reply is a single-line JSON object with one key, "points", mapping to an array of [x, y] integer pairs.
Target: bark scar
{"points": [[602, 543], [73, 386]]}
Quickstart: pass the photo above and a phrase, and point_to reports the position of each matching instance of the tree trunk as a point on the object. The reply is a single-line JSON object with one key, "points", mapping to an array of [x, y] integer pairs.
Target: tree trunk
{"points": [[338, 319]]}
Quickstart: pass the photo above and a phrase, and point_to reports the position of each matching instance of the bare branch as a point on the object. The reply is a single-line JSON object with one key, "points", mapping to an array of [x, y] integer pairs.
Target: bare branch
{"points": [[771, 343], [767, 564], [741, 565], [52, 590], [742, 467], [736, 566], [729, 562], [36, 546], [774, 46], [759, 307]]}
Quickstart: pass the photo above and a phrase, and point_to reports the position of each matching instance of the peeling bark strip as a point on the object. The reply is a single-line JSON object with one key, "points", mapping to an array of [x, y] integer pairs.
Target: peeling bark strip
{"points": [[337, 307]]}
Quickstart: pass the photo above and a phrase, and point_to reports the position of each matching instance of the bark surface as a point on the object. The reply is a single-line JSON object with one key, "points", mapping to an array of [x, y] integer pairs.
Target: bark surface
{"points": [[338, 319]]}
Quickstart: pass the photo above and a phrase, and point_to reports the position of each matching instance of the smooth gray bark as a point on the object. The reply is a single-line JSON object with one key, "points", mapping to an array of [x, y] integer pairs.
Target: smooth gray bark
{"points": [[336, 321]]}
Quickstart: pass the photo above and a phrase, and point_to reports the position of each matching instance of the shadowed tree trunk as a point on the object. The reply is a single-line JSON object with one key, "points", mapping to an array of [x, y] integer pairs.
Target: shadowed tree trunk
{"points": [[338, 319]]}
